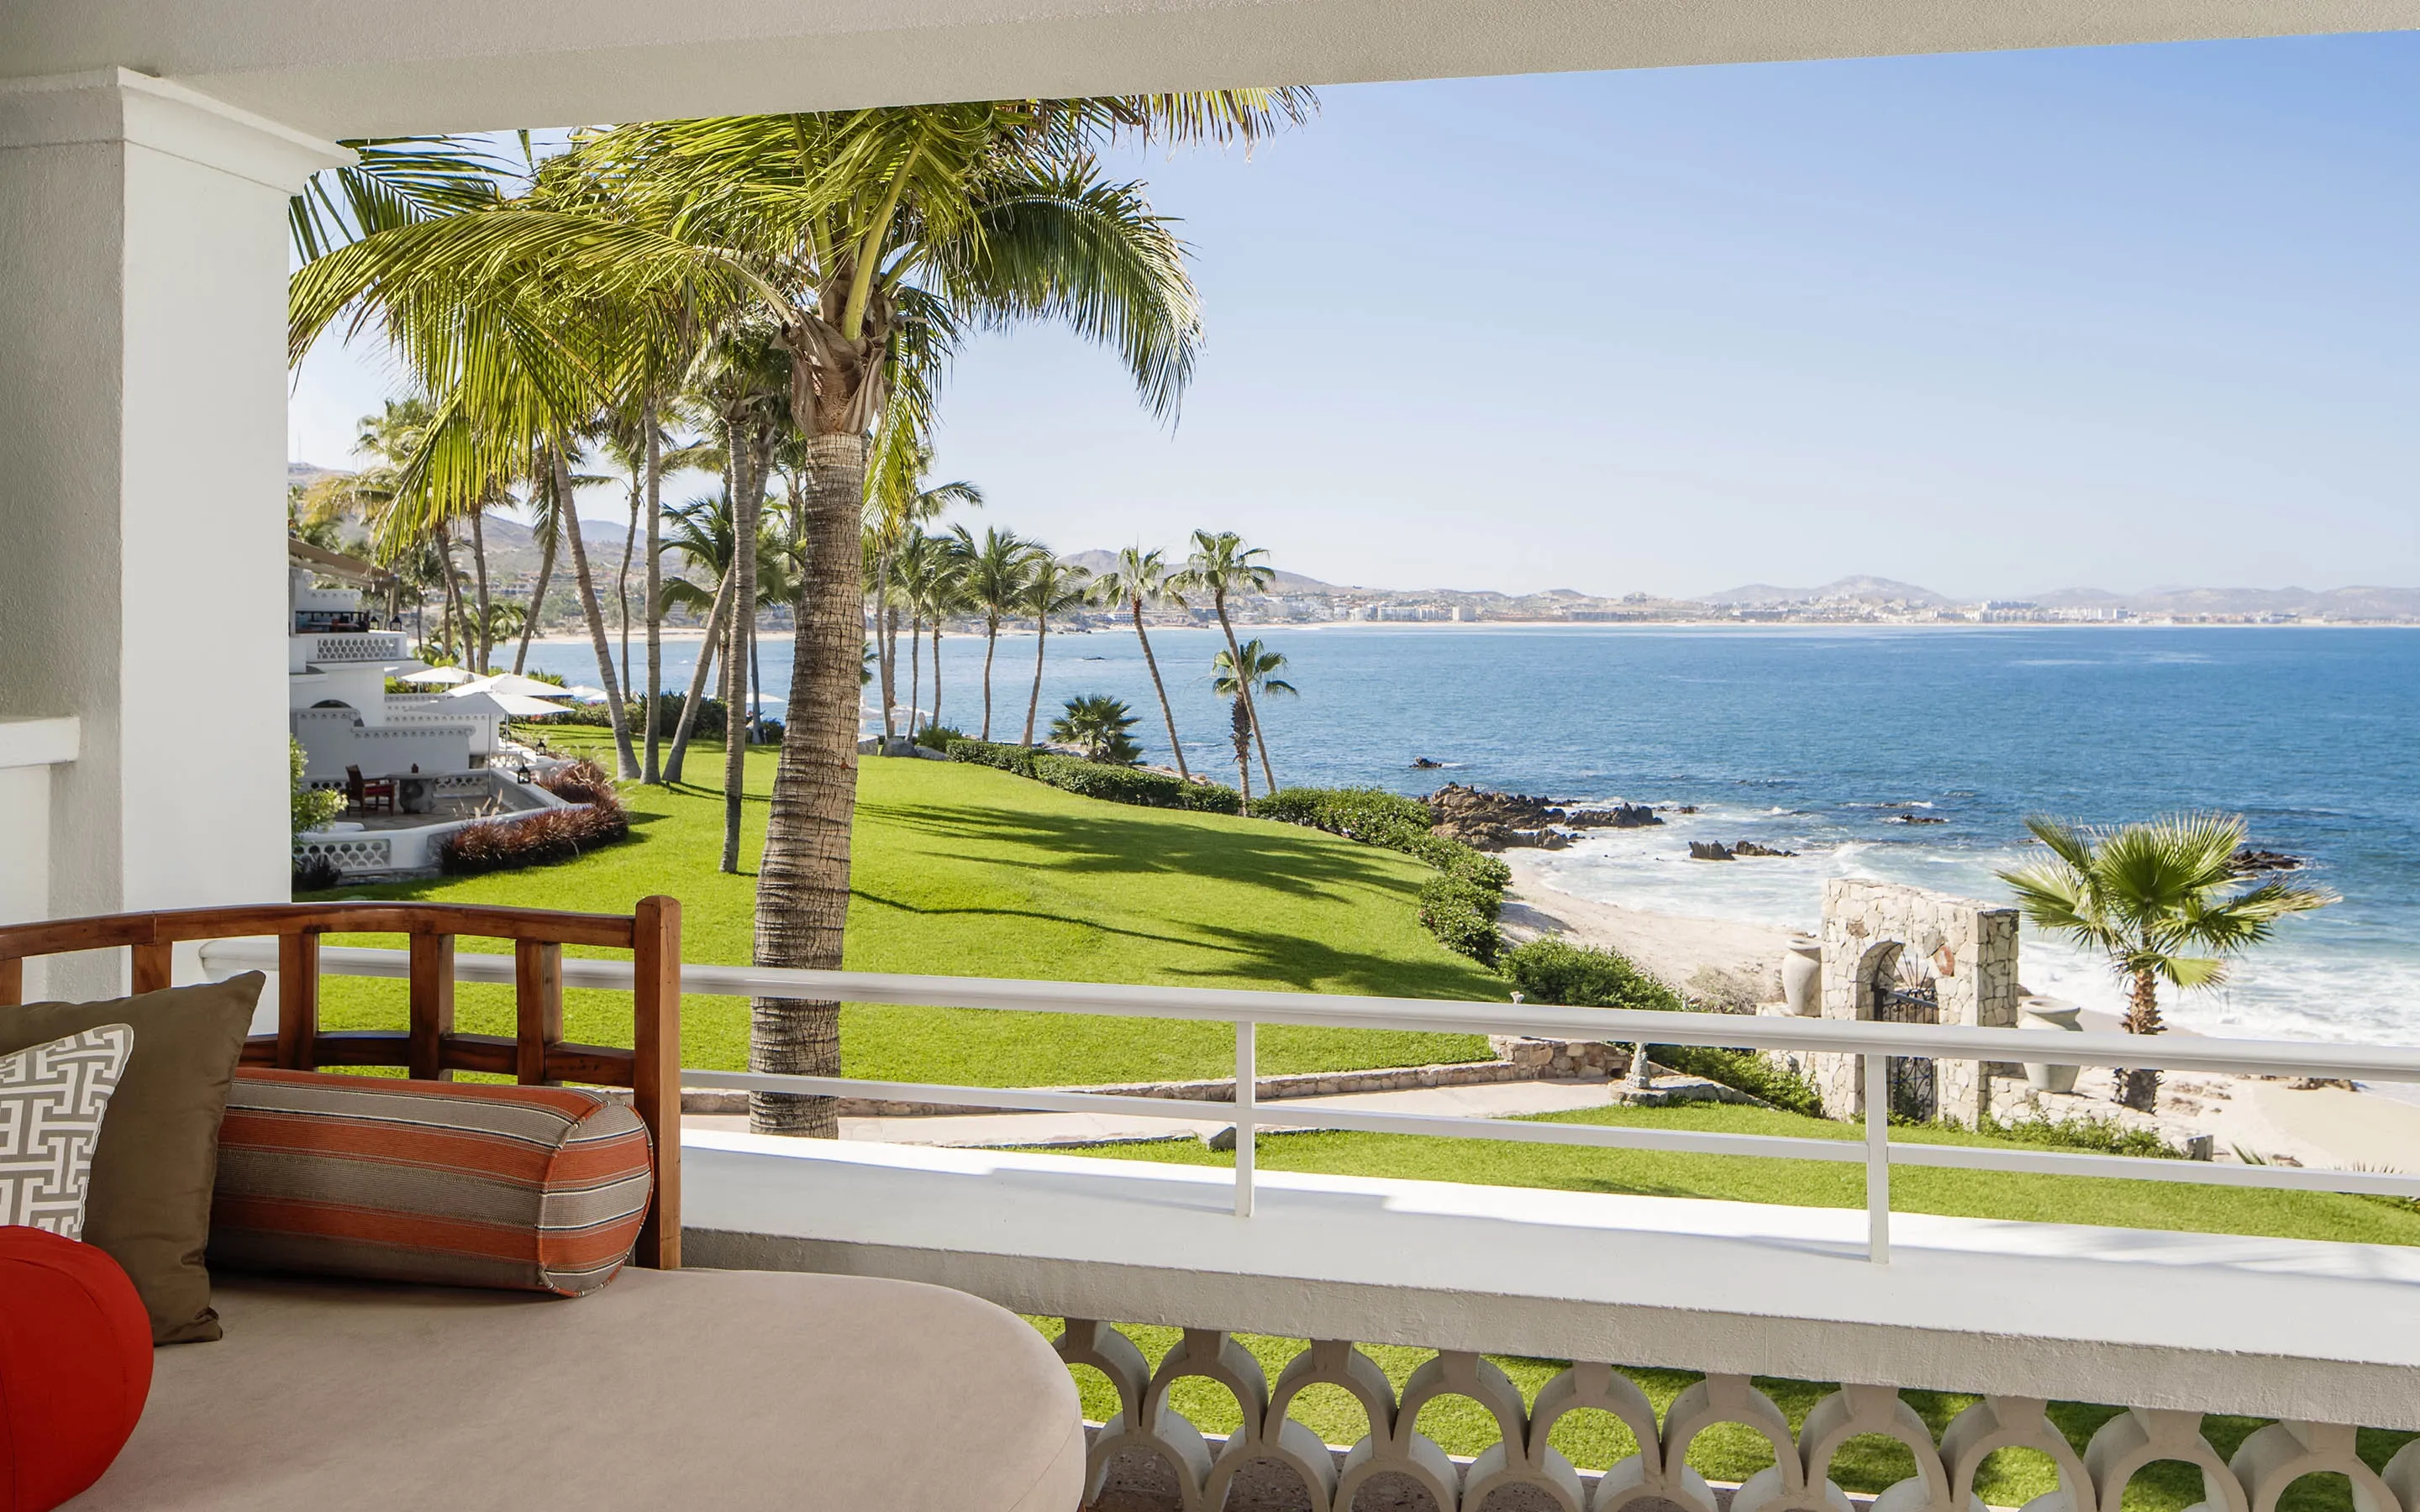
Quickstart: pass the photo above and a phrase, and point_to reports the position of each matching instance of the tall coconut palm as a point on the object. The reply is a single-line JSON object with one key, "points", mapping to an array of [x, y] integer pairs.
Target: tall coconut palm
{"points": [[993, 575], [873, 238], [702, 534], [1260, 669], [2154, 899], [920, 560], [1140, 579], [1053, 588], [942, 595], [898, 503], [1221, 564]]}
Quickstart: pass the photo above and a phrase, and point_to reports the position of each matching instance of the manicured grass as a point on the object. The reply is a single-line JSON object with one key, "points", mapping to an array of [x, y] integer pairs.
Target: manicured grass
{"points": [[2009, 1194], [962, 870], [1727, 1452]]}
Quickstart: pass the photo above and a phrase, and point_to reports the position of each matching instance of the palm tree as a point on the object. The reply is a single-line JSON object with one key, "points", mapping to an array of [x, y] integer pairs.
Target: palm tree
{"points": [[1053, 587], [1139, 579], [898, 504], [941, 595], [872, 238], [702, 533], [1222, 565], [1101, 727], [2154, 899], [993, 576], [1260, 665]]}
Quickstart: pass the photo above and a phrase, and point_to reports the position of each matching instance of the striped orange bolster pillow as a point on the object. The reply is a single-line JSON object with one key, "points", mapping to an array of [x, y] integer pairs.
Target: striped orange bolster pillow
{"points": [[526, 1188]]}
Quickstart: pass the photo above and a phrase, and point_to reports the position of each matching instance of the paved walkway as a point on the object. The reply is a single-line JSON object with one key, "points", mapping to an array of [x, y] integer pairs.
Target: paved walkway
{"points": [[1499, 1100]]}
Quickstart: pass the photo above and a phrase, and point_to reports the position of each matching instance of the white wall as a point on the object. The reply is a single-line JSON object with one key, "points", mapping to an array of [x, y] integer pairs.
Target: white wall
{"points": [[142, 260]]}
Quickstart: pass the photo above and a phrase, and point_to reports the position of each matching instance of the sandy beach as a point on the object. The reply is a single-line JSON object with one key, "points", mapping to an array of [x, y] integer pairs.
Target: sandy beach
{"points": [[2278, 1119]]}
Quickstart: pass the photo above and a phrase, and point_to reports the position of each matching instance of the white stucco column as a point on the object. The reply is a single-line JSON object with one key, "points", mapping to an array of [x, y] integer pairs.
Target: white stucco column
{"points": [[143, 265]]}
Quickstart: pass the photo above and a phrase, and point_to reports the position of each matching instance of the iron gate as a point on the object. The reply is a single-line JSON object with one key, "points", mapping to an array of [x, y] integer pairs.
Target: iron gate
{"points": [[1914, 1094]]}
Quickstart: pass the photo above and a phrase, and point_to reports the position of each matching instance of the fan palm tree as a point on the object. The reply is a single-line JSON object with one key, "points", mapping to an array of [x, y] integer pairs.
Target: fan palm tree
{"points": [[1053, 588], [993, 575], [1221, 564], [1261, 667], [1140, 579], [1099, 726], [873, 238], [2154, 897]]}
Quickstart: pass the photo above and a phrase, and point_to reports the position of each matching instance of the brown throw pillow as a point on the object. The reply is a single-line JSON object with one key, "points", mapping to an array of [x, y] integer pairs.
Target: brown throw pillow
{"points": [[148, 1204]]}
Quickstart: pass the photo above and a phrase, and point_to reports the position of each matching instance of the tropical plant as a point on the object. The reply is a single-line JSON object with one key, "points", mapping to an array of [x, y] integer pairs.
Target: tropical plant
{"points": [[898, 504], [1221, 565], [926, 569], [993, 576], [1259, 666], [702, 532], [872, 238], [2160, 901], [1139, 579], [1052, 587], [309, 807], [1100, 727]]}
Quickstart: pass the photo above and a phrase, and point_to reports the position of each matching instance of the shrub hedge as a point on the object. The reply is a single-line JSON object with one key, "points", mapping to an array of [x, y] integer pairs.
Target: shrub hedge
{"points": [[1577, 976], [1097, 780], [549, 835]]}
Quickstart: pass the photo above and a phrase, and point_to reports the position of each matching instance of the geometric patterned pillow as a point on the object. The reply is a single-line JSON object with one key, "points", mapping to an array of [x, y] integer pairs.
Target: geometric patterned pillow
{"points": [[52, 1100]]}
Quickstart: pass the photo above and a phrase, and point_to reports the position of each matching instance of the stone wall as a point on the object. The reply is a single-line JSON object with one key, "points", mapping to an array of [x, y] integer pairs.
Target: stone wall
{"points": [[1968, 949]]}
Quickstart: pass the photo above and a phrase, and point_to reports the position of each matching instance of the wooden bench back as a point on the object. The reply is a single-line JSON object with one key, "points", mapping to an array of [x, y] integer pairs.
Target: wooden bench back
{"points": [[431, 1048]]}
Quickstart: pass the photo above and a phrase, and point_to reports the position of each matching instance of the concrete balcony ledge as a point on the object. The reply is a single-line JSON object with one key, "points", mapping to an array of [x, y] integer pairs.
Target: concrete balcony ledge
{"points": [[2271, 1327], [39, 742]]}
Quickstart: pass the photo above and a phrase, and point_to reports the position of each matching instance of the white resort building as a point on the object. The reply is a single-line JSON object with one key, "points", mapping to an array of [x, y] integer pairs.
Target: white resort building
{"points": [[414, 766]]}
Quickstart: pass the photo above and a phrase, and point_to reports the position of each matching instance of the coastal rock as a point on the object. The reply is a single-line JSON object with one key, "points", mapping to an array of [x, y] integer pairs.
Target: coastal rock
{"points": [[1709, 850], [1914, 819], [1749, 847], [1620, 816], [1498, 821], [1422, 764], [2252, 861]]}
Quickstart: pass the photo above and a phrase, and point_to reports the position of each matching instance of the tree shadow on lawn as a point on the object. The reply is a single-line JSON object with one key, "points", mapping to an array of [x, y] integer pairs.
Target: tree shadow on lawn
{"points": [[1314, 967], [1111, 843], [930, 911]]}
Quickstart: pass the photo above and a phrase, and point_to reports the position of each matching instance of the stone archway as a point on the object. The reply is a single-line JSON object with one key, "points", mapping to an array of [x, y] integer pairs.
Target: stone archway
{"points": [[1966, 952]]}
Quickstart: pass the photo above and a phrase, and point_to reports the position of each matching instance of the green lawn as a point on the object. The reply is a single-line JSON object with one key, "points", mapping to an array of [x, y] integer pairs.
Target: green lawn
{"points": [[963, 870]]}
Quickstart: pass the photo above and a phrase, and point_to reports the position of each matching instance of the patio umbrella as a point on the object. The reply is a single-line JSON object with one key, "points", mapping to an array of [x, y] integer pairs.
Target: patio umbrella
{"points": [[511, 683], [520, 703], [436, 676], [581, 691]]}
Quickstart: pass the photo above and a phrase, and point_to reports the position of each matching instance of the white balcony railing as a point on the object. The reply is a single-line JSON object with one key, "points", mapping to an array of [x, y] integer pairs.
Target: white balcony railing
{"points": [[1877, 1043], [2171, 1326]]}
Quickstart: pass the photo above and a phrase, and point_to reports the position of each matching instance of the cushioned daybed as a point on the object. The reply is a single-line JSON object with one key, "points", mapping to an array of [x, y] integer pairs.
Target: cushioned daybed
{"points": [[655, 1388]]}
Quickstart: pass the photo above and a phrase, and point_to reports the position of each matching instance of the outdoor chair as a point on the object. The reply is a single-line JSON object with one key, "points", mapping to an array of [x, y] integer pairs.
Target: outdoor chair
{"points": [[365, 795]]}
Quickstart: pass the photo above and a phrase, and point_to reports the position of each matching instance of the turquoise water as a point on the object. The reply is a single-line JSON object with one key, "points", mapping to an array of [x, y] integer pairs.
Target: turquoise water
{"points": [[1811, 739]]}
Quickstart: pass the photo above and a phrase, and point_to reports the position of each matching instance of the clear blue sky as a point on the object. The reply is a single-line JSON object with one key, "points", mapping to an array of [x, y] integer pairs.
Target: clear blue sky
{"points": [[1992, 324]]}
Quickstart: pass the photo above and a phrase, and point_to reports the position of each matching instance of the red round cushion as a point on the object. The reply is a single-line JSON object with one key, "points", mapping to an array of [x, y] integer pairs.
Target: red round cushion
{"points": [[75, 1367]]}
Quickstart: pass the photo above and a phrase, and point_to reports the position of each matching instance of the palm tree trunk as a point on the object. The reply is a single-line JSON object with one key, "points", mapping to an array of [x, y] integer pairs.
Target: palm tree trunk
{"points": [[697, 682], [537, 597], [915, 671], [1033, 702], [2138, 1088], [618, 711], [1243, 726], [622, 580], [479, 565], [1244, 688], [937, 675], [1166, 711], [648, 771], [886, 642], [991, 644], [802, 885], [745, 504]]}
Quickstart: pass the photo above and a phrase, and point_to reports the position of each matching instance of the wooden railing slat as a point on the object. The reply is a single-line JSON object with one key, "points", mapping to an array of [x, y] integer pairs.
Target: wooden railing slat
{"points": [[432, 1005], [298, 1000], [150, 968], [655, 1078], [537, 1006]]}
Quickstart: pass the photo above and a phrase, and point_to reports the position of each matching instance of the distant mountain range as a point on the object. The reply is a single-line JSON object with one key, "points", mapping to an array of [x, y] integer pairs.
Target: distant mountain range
{"points": [[1097, 563], [1849, 589]]}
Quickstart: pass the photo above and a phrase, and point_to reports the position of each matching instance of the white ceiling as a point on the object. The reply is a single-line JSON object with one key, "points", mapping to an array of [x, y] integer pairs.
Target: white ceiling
{"points": [[358, 68]]}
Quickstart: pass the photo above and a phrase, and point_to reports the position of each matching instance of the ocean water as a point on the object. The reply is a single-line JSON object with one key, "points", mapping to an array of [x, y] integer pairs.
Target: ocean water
{"points": [[1816, 739]]}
